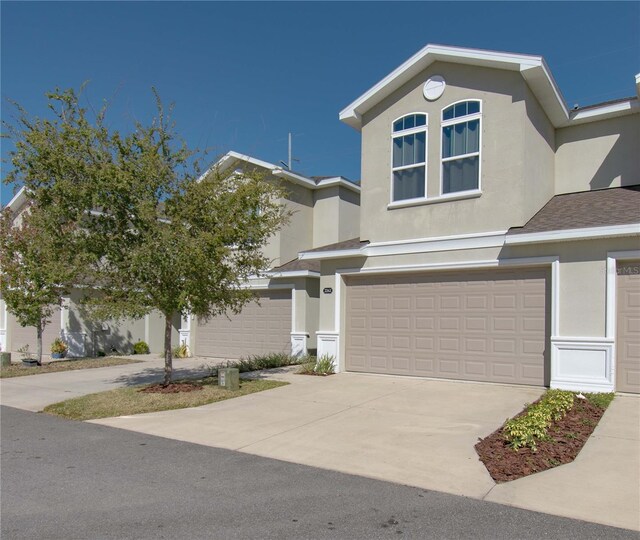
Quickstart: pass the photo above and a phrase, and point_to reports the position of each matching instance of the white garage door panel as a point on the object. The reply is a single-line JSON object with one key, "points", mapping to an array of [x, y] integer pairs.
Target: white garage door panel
{"points": [[258, 329], [484, 326]]}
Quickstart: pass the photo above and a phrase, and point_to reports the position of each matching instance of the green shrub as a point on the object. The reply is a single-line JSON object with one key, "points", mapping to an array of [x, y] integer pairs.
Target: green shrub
{"points": [[59, 347], [325, 365], [182, 351], [265, 361], [601, 399], [532, 426], [140, 348], [308, 367]]}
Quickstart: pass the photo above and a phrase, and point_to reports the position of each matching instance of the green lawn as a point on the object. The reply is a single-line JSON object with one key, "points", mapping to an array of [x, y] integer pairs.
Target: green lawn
{"points": [[18, 370], [126, 401]]}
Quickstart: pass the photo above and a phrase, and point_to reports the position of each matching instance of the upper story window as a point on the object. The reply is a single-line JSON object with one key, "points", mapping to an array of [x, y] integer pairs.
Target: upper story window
{"points": [[408, 167], [461, 147]]}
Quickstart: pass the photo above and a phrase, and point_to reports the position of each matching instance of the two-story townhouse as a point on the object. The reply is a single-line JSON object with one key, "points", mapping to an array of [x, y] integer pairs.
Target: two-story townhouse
{"points": [[324, 210], [85, 335], [499, 233]]}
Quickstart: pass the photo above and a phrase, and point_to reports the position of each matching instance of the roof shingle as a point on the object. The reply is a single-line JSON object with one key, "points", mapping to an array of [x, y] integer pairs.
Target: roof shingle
{"points": [[613, 206], [353, 243]]}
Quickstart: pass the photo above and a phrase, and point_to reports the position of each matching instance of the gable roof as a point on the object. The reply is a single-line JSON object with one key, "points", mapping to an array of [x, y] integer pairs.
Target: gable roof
{"points": [[586, 209], [231, 159], [533, 69], [18, 200]]}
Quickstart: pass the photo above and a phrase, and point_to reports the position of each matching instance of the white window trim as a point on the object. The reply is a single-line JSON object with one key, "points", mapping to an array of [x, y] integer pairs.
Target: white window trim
{"points": [[453, 121], [410, 131]]}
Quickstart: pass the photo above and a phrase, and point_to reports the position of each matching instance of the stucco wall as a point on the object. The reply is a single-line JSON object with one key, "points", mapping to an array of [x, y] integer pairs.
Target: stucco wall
{"points": [[539, 157], [582, 280], [297, 235], [336, 215], [118, 334], [326, 218], [598, 155], [506, 101], [349, 212], [18, 336]]}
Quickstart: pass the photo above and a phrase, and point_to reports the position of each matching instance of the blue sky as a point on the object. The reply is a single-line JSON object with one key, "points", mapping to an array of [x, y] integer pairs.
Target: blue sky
{"points": [[244, 74]]}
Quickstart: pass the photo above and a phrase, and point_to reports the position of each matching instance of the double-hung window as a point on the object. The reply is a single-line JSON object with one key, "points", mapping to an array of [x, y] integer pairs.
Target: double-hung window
{"points": [[408, 167], [461, 147]]}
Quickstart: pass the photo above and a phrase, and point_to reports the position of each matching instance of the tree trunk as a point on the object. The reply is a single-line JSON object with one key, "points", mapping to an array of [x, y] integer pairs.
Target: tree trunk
{"points": [[168, 366], [39, 332]]}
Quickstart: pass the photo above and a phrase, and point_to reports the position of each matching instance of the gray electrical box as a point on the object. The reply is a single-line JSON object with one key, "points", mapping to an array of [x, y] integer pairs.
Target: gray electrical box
{"points": [[229, 378]]}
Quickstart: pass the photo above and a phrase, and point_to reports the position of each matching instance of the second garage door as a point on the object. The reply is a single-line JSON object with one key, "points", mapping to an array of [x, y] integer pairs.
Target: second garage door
{"points": [[482, 326], [258, 329], [628, 342]]}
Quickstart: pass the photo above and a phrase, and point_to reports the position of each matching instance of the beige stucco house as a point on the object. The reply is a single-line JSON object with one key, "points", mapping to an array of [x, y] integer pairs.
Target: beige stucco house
{"points": [[85, 335], [499, 232], [324, 210]]}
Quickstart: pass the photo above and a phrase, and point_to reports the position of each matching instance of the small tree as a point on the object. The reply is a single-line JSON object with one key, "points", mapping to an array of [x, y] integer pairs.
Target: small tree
{"points": [[160, 235], [36, 269]]}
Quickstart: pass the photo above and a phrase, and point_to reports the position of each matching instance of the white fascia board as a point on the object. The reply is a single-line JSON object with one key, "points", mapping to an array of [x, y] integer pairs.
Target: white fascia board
{"points": [[352, 114], [414, 246], [630, 106], [18, 199], [293, 177], [331, 254], [338, 181], [441, 243], [231, 157], [294, 274], [544, 86], [252, 160], [573, 234]]}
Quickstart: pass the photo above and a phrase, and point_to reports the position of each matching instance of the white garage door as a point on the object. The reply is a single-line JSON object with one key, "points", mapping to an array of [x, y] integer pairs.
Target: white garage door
{"points": [[258, 329], [481, 326]]}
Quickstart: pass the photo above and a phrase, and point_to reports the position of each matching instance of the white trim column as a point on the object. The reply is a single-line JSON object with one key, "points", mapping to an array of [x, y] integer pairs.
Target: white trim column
{"points": [[299, 343], [185, 331], [3, 325]]}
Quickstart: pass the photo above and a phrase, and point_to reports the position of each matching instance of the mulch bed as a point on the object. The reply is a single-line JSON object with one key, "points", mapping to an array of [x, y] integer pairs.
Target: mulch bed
{"points": [[173, 388], [567, 437]]}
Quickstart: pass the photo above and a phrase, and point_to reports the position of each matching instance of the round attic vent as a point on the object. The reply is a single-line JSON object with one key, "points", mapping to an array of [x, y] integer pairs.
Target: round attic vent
{"points": [[434, 87]]}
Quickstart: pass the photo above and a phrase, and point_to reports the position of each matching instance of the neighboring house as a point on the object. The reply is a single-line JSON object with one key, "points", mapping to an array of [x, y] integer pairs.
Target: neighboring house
{"points": [[499, 234], [84, 335], [324, 210]]}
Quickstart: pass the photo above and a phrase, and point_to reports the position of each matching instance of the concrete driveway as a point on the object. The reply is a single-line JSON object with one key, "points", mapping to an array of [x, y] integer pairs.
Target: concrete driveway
{"points": [[409, 431], [415, 432]]}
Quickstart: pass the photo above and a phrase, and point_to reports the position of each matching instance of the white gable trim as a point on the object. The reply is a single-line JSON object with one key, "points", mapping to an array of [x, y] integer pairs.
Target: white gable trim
{"points": [[18, 199], [532, 68], [230, 158]]}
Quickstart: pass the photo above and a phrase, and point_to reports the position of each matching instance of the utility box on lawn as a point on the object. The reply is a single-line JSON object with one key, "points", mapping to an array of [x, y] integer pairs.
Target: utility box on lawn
{"points": [[5, 358], [229, 378]]}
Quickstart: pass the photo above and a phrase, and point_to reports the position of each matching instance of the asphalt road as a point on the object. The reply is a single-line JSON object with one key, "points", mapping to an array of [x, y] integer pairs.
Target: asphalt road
{"points": [[72, 480]]}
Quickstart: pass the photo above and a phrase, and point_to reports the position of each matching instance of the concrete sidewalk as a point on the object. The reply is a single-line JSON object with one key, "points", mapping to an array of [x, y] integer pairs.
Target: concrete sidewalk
{"points": [[35, 392]]}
